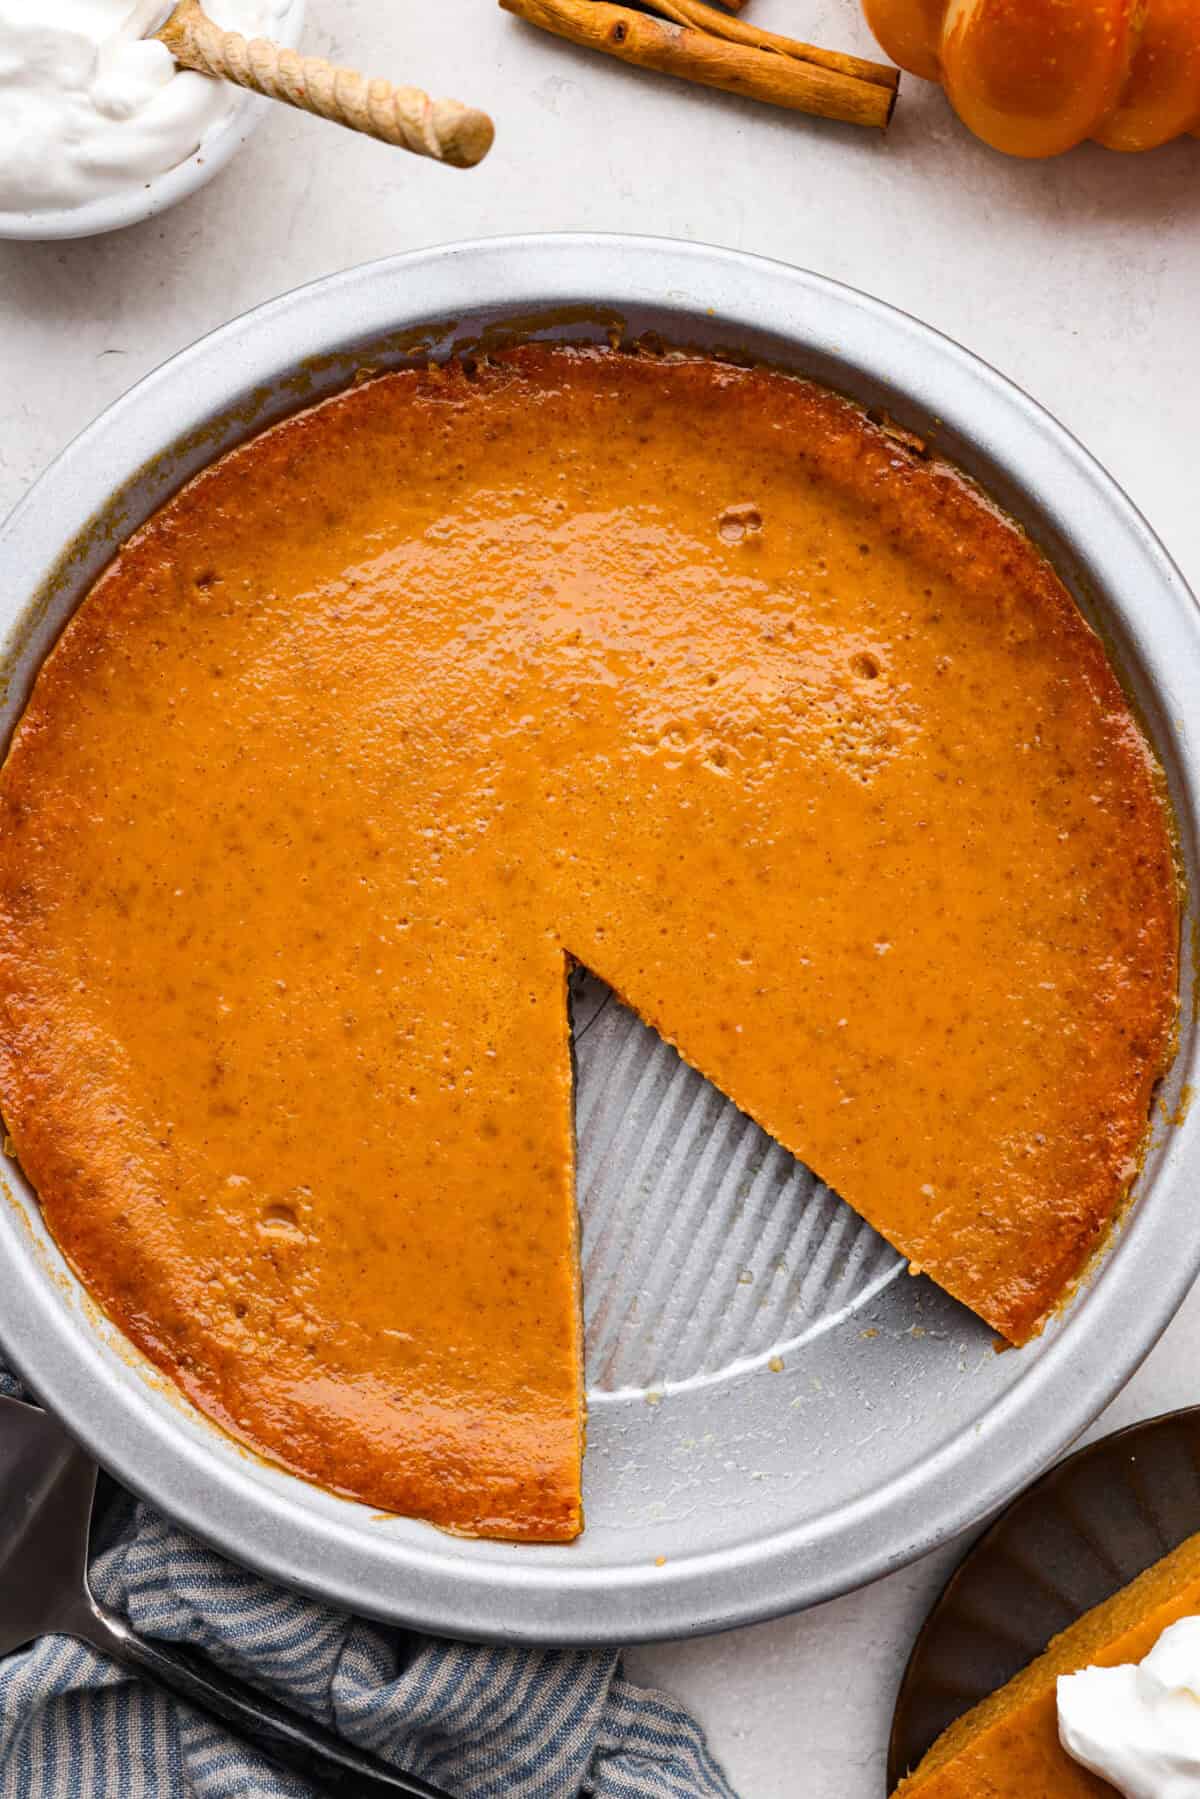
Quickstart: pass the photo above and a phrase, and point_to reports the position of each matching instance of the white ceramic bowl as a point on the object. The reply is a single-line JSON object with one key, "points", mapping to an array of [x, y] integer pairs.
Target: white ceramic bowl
{"points": [[130, 205]]}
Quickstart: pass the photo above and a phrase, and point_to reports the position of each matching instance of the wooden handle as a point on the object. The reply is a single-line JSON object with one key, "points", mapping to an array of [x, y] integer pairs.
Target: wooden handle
{"points": [[696, 55], [404, 116]]}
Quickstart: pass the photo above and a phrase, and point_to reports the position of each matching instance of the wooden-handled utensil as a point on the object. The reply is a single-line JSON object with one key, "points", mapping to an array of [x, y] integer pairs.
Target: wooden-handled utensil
{"points": [[446, 130]]}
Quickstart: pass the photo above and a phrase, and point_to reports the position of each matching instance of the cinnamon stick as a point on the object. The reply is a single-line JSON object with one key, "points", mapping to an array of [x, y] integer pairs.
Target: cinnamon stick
{"points": [[714, 61], [738, 31]]}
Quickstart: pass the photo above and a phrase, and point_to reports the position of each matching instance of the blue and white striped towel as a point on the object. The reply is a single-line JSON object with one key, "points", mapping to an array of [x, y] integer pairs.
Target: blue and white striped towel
{"points": [[480, 1722]]}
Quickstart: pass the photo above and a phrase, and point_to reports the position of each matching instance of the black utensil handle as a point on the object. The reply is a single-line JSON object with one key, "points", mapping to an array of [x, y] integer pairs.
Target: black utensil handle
{"points": [[277, 1732]]}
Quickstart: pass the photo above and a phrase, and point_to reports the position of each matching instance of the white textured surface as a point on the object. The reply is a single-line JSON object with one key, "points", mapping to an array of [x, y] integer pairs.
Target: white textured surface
{"points": [[1079, 279]]}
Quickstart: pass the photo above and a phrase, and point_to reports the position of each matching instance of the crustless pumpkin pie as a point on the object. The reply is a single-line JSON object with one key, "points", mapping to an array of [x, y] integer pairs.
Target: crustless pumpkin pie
{"points": [[683, 670], [1007, 1747]]}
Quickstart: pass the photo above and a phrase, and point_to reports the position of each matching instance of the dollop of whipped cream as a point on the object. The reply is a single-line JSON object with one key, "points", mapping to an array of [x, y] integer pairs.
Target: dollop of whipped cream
{"points": [[1138, 1725], [89, 106]]}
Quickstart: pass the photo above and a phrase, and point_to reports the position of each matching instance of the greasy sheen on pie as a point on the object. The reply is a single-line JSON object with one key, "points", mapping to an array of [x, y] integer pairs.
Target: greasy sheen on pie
{"points": [[686, 671]]}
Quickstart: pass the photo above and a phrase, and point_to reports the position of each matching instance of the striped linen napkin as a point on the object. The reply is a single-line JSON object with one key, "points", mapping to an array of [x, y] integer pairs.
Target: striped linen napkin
{"points": [[480, 1722]]}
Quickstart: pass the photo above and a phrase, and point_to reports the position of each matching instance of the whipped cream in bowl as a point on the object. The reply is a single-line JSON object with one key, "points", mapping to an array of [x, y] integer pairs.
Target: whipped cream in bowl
{"points": [[98, 126], [1138, 1725]]}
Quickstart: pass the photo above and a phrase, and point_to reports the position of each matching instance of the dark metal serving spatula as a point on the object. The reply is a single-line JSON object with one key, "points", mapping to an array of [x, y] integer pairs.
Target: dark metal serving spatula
{"points": [[47, 1488]]}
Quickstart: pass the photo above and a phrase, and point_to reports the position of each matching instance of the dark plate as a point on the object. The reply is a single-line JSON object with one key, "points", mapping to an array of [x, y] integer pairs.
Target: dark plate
{"points": [[1078, 1535]]}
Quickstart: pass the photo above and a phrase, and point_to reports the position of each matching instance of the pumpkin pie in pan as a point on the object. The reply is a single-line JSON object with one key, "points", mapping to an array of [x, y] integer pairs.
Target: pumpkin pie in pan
{"points": [[685, 671]]}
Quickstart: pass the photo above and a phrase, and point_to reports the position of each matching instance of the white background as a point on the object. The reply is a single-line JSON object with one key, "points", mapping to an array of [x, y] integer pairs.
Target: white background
{"points": [[1079, 278]]}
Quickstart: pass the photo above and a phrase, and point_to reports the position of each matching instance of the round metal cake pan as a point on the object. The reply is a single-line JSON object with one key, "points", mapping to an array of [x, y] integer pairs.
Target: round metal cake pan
{"points": [[778, 1412]]}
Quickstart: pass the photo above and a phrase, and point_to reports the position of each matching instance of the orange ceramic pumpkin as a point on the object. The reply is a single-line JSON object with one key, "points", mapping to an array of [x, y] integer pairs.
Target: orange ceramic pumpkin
{"points": [[1034, 77]]}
